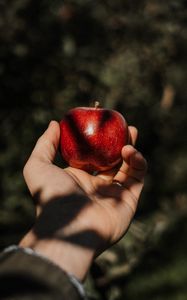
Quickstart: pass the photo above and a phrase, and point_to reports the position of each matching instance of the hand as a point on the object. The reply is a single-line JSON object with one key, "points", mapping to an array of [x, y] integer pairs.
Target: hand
{"points": [[76, 211]]}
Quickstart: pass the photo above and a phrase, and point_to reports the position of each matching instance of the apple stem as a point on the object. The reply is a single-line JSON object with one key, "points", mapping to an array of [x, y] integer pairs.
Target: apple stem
{"points": [[97, 104]]}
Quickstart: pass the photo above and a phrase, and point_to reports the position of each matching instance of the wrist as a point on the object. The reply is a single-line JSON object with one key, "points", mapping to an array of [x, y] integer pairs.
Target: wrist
{"points": [[72, 258]]}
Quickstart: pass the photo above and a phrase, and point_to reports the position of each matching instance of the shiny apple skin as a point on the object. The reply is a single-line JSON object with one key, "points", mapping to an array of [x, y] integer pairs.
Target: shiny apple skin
{"points": [[92, 138]]}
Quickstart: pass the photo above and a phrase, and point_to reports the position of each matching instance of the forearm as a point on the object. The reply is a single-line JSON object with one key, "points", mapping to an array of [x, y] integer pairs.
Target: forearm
{"points": [[71, 257]]}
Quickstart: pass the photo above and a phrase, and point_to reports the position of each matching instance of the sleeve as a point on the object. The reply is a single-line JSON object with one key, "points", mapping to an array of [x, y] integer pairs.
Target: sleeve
{"points": [[25, 275]]}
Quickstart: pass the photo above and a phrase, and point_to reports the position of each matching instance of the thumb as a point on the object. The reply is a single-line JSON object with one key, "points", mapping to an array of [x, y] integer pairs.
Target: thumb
{"points": [[47, 145]]}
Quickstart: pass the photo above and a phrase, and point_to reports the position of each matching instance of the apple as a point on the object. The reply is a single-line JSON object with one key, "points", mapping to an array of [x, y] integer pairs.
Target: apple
{"points": [[92, 138]]}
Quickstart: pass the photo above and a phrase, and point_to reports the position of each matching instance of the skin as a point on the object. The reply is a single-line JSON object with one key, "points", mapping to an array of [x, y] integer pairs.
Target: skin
{"points": [[78, 215]]}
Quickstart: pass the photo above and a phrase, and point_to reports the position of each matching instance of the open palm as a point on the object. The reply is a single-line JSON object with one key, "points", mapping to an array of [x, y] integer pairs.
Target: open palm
{"points": [[100, 207]]}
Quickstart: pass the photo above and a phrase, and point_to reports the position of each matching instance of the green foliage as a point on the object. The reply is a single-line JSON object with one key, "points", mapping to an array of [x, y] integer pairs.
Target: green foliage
{"points": [[131, 55]]}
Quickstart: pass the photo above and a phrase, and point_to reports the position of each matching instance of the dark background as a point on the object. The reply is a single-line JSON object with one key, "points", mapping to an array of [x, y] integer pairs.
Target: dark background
{"points": [[131, 55]]}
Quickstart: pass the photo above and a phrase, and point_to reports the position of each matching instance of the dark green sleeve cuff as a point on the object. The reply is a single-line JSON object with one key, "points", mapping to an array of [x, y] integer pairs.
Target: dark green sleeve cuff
{"points": [[24, 275]]}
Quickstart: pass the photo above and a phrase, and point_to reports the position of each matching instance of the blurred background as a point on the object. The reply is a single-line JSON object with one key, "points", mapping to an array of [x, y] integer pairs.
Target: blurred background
{"points": [[131, 55]]}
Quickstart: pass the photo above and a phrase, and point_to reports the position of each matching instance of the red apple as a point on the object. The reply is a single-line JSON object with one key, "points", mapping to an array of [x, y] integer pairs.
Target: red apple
{"points": [[92, 138]]}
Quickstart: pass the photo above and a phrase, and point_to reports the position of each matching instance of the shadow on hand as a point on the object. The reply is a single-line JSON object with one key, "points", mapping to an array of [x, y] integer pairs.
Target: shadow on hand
{"points": [[61, 212]]}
